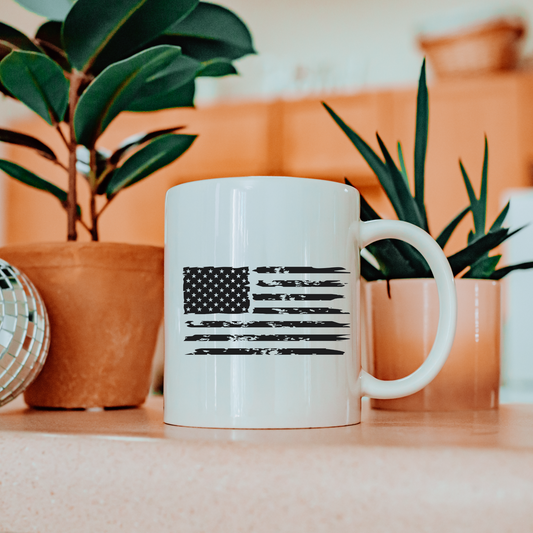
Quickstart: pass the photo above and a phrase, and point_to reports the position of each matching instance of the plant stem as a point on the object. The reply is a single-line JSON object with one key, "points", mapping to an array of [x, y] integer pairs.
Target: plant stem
{"points": [[59, 164], [92, 187], [67, 144], [103, 208], [72, 198]]}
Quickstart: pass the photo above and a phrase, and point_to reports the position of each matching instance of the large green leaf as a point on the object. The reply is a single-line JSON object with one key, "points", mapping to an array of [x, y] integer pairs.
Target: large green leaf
{"points": [[37, 82], [49, 38], [51, 9], [421, 138], [155, 155], [13, 39], [115, 89], [211, 31], [180, 72], [97, 33], [21, 139], [374, 162], [174, 86], [29, 178], [179, 97], [136, 140]]}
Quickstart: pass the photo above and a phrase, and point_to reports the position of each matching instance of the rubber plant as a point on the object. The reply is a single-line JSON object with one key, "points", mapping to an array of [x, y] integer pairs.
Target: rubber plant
{"points": [[392, 259], [94, 59]]}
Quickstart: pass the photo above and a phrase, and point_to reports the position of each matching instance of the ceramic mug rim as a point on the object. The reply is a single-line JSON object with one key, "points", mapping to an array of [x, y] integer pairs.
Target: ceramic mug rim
{"points": [[324, 182], [461, 281]]}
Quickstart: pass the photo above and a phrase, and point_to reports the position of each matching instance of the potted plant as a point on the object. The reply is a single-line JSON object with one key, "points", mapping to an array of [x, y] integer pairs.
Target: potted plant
{"points": [[91, 61], [402, 299]]}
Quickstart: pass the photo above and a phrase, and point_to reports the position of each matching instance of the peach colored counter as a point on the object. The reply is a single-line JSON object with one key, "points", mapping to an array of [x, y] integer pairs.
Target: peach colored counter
{"points": [[124, 470]]}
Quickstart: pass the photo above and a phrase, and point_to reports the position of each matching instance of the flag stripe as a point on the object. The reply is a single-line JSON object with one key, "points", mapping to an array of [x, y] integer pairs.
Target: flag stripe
{"points": [[243, 291], [300, 283], [298, 311], [266, 351], [264, 324], [266, 338], [300, 270], [295, 297]]}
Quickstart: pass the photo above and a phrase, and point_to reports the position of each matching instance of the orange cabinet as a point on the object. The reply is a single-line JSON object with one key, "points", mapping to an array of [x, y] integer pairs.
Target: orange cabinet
{"points": [[299, 138]]}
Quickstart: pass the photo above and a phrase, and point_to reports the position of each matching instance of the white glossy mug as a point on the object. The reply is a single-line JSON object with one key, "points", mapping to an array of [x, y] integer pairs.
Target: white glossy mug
{"points": [[262, 319]]}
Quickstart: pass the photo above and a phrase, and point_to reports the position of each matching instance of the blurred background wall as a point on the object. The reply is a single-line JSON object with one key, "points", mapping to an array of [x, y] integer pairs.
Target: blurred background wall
{"points": [[317, 46]]}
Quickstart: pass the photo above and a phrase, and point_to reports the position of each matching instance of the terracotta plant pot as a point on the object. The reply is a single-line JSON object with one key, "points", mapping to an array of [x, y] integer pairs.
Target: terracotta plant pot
{"points": [[105, 303], [402, 329]]}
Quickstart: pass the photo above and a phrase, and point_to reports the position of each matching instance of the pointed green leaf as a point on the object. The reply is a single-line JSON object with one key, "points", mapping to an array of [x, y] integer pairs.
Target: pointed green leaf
{"points": [[482, 204], [483, 268], [369, 271], [501, 272], [501, 218], [179, 97], [403, 169], [115, 89], [97, 33], [421, 137], [37, 82], [446, 233], [155, 155], [51, 9], [14, 137], [398, 260], [478, 211], [14, 39], [409, 211], [211, 31], [367, 213], [374, 162], [468, 184], [136, 140], [396, 256], [472, 253]]}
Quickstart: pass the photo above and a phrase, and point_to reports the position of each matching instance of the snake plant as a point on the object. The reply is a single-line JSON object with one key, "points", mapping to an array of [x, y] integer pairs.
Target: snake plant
{"points": [[395, 259]]}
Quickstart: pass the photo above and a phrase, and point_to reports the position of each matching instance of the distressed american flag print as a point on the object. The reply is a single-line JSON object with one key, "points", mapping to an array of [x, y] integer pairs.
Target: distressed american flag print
{"points": [[265, 310]]}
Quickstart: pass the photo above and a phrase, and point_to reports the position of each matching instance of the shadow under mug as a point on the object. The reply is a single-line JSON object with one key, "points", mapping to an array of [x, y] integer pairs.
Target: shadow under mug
{"points": [[262, 314]]}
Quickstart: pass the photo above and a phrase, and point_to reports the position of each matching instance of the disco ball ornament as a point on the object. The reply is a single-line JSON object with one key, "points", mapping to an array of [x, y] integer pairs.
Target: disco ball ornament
{"points": [[24, 332]]}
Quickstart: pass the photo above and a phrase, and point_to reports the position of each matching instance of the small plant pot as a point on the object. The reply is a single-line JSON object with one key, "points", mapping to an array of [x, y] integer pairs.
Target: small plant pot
{"points": [[105, 303], [402, 329]]}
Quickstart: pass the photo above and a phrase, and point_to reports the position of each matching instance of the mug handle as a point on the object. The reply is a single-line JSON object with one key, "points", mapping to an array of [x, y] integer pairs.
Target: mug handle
{"points": [[376, 230]]}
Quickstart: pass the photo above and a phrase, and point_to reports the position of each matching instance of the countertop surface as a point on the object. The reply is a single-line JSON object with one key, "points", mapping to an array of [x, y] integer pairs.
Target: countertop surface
{"points": [[124, 470]]}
